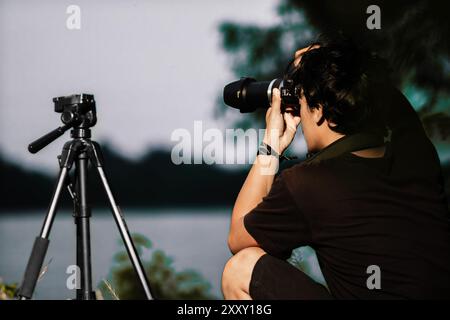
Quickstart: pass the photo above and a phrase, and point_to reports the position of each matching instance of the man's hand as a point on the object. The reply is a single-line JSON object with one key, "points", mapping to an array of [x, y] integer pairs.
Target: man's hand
{"points": [[280, 128], [298, 54]]}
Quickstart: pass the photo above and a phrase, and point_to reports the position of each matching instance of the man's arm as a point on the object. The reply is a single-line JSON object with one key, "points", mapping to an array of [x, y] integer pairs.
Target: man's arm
{"points": [[254, 189], [280, 131]]}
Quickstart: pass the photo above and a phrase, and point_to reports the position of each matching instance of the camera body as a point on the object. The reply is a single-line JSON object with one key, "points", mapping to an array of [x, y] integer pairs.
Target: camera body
{"points": [[247, 94], [77, 109]]}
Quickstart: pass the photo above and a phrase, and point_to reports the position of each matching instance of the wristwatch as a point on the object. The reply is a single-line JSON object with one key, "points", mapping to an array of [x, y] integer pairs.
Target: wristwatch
{"points": [[266, 150]]}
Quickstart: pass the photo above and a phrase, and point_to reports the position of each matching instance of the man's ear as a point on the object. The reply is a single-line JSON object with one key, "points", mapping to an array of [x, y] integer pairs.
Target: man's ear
{"points": [[318, 115]]}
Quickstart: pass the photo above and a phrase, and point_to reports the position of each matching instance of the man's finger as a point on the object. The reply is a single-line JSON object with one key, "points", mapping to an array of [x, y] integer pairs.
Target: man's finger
{"points": [[301, 51], [294, 120], [276, 101], [269, 110], [291, 123], [298, 54]]}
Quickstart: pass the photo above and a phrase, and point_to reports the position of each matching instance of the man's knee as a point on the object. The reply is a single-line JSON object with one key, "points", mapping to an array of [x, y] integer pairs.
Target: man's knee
{"points": [[238, 270]]}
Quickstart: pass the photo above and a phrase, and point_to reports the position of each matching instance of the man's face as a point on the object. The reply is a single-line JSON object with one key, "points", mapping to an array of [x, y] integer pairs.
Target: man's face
{"points": [[308, 117], [308, 124]]}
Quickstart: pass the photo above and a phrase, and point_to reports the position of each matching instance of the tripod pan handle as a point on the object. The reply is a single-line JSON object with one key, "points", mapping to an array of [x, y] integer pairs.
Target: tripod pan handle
{"points": [[43, 141]]}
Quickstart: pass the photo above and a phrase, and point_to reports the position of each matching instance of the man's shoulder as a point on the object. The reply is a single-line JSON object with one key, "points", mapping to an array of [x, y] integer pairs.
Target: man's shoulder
{"points": [[307, 169], [310, 175]]}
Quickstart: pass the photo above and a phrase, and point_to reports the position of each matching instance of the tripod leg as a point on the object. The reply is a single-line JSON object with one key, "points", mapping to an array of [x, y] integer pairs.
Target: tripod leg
{"points": [[120, 221], [41, 243], [97, 160]]}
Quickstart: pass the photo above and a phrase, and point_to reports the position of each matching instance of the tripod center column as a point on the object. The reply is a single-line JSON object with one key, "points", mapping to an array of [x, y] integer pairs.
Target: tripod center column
{"points": [[82, 213]]}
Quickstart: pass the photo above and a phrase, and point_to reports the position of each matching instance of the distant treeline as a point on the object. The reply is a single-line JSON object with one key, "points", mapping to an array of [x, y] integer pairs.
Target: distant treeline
{"points": [[152, 180]]}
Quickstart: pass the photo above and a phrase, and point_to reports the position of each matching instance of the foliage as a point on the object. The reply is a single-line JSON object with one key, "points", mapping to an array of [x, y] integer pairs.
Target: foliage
{"points": [[305, 259], [7, 291], [413, 38], [165, 281]]}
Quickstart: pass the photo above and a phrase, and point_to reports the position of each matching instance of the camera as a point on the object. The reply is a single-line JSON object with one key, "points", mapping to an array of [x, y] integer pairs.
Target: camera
{"points": [[247, 94]]}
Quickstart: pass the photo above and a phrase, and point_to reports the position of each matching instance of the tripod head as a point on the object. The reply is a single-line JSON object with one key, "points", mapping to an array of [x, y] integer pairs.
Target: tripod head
{"points": [[77, 111]]}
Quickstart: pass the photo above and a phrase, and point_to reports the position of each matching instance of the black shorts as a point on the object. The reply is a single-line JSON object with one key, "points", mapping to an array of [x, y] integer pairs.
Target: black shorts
{"points": [[273, 278]]}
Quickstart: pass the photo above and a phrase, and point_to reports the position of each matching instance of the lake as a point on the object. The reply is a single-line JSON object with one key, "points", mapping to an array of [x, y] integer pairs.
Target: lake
{"points": [[195, 239]]}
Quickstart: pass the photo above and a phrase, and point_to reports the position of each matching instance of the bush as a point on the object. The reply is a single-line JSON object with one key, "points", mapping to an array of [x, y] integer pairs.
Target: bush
{"points": [[165, 281]]}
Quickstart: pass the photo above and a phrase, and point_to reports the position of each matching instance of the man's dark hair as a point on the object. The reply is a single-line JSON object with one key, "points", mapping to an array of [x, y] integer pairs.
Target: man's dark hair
{"points": [[342, 78]]}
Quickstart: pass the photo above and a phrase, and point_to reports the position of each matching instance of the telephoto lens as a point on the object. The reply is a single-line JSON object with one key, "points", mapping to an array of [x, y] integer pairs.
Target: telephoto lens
{"points": [[247, 94]]}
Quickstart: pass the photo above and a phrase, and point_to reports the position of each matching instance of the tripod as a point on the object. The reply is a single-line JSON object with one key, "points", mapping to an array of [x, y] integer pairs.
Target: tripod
{"points": [[78, 152]]}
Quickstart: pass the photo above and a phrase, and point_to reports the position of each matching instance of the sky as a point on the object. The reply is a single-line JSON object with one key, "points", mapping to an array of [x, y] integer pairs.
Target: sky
{"points": [[153, 66]]}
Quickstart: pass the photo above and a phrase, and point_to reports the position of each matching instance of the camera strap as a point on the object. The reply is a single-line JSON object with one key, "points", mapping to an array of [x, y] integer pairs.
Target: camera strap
{"points": [[350, 143]]}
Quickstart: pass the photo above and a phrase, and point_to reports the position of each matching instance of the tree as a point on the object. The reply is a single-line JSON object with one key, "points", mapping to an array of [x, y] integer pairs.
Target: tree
{"points": [[413, 38]]}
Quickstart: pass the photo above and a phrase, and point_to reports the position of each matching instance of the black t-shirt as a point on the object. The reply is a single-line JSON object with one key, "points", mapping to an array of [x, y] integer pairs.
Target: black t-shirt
{"points": [[356, 212]]}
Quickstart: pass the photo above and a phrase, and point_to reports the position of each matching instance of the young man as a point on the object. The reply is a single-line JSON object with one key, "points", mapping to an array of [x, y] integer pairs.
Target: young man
{"points": [[380, 208]]}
